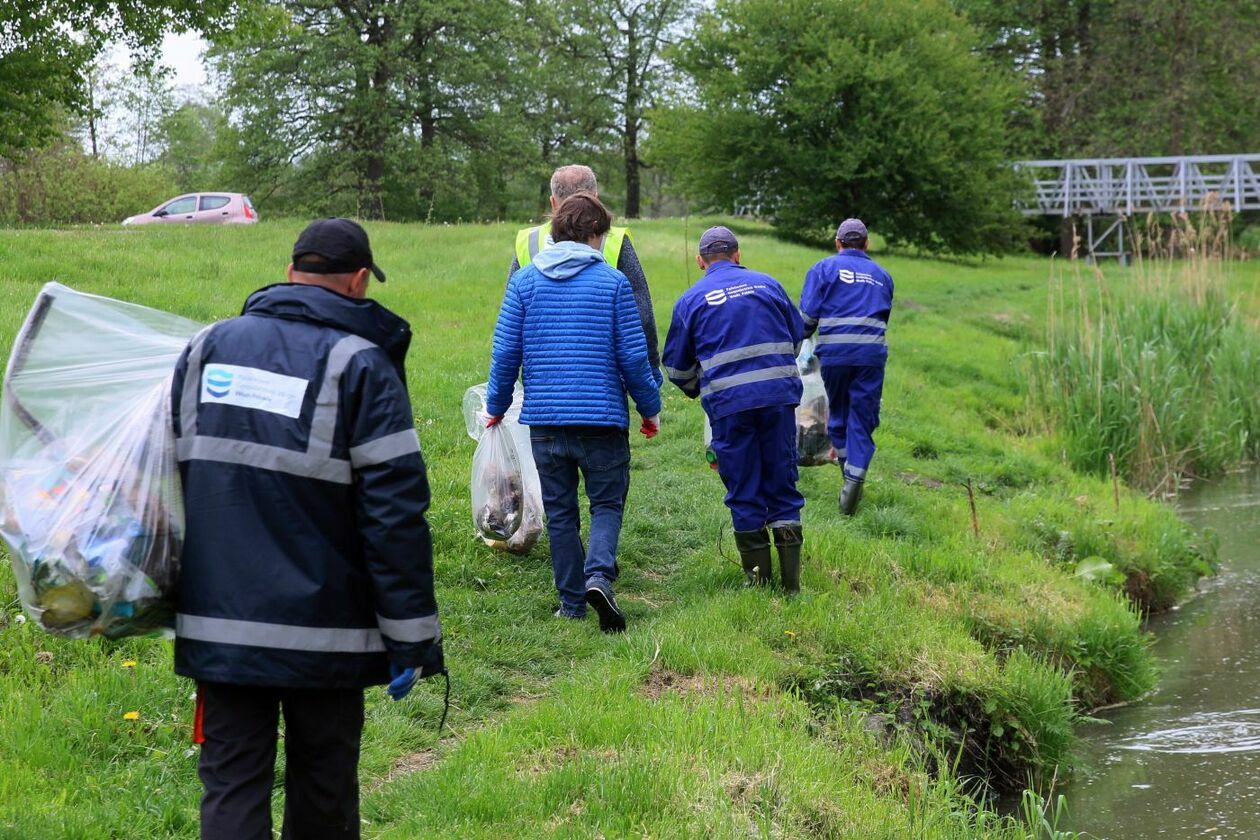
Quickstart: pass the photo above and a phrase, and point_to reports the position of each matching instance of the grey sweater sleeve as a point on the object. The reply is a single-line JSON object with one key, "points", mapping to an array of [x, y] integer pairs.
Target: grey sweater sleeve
{"points": [[628, 264]]}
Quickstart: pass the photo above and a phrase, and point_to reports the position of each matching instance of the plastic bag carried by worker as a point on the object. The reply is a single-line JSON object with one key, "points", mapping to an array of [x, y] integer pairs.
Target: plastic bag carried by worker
{"points": [[89, 486], [533, 519], [813, 446]]}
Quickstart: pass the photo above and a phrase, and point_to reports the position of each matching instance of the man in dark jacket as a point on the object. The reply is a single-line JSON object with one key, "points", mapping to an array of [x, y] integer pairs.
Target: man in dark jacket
{"points": [[307, 564], [847, 298], [616, 247], [733, 341]]}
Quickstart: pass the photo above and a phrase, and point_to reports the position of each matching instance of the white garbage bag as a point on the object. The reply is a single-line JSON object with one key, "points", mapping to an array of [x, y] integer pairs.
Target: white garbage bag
{"points": [[532, 517]]}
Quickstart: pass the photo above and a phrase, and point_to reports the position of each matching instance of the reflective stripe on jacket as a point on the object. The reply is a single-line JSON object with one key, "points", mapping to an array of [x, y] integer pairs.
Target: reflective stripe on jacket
{"points": [[733, 340], [530, 241], [847, 298], [307, 559]]}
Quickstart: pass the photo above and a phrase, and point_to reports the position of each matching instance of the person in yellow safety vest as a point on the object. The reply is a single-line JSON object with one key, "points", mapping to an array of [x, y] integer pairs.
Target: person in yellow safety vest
{"points": [[617, 249]]}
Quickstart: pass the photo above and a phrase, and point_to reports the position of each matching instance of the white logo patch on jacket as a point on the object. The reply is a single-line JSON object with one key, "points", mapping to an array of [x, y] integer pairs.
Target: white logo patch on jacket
{"points": [[247, 387]]}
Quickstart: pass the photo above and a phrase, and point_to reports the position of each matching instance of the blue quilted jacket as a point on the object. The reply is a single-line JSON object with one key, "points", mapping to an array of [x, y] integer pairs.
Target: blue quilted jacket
{"points": [[569, 320]]}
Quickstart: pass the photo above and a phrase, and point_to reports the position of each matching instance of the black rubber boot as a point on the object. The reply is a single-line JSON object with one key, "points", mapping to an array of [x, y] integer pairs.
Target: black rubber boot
{"points": [[850, 495], [787, 541], [754, 554]]}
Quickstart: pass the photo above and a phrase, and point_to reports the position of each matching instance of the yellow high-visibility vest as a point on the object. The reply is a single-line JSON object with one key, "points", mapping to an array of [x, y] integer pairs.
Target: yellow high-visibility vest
{"points": [[532, 240]]}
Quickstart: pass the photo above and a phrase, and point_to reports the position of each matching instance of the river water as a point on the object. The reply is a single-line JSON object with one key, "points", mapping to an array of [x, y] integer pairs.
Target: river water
{"points": [[1185, 761]]}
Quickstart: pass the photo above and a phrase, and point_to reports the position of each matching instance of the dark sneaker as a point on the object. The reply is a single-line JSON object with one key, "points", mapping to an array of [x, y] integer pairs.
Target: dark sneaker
{"points": [[600, 596], [572, 616]]}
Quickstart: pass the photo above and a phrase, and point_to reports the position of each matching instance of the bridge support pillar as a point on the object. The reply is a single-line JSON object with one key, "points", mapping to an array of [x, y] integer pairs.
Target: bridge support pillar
{"points": [[1105, 237]]}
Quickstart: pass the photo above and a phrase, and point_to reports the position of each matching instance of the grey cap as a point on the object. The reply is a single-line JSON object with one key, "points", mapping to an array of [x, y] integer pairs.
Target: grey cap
{"points": [[717, 240], [851, 230]]}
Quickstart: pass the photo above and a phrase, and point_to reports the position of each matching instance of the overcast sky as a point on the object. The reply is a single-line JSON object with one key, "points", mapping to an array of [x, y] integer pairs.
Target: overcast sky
{"points": [[182, 53]]}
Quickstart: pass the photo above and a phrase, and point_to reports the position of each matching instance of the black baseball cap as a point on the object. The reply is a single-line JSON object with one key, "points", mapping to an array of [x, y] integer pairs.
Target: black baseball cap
{"points": [[342, 243]]}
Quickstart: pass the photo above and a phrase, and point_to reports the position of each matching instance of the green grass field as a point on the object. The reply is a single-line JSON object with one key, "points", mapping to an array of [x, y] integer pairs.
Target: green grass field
{"points": [[919, 660]]}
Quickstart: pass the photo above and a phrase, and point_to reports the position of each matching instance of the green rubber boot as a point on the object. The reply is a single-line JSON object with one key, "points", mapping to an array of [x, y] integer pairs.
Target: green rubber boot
{"points": [[787, 541], [754, 554], [850, 495]]}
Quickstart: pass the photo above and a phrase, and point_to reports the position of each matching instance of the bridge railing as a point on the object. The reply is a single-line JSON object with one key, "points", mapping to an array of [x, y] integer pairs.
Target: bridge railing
{"points": [[1125, 186]]}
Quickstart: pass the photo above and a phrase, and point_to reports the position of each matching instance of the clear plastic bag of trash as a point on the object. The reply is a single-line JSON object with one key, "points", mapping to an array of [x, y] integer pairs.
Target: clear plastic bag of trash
{"points": [[90, 503], [498, 491], [813, 445], [533, 518]]}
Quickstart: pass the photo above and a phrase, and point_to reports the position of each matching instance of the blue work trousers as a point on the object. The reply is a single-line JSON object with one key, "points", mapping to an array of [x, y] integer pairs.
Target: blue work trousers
{"points": [[602, 455], [756, 458], [853, 394]]}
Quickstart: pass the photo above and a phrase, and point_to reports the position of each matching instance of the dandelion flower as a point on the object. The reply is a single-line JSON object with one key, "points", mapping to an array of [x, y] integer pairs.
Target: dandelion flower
{"points": [[131, 716], [791, 634], [129, 663]]}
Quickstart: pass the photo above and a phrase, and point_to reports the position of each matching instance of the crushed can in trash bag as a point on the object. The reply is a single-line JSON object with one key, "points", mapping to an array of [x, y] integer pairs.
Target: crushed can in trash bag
{"points": [[498, 490], [89, 485]]}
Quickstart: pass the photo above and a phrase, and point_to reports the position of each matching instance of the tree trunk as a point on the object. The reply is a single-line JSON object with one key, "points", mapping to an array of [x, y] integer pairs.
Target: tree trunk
{"points": [[630, 135]]}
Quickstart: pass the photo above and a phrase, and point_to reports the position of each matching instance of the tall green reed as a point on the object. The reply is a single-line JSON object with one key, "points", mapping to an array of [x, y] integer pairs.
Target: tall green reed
{"points": [[1155, 365]]}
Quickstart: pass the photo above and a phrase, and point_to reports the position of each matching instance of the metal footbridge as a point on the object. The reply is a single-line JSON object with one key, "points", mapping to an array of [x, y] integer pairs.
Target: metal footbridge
{"points": [[1109, 191]]}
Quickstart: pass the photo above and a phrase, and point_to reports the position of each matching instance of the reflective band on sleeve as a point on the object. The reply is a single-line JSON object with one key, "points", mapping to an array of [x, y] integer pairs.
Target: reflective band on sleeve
{"points": [[385, 448], [274, 458], [752, 351], [878, 323], [533, 241], [410, 629], [324, 419], [192, 385], [785, 372], [690, 373], [845, 338], [229, 631]]}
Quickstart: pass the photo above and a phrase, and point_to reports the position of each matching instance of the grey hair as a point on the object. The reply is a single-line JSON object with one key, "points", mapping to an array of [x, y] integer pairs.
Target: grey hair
{"points": [[571, 179]]}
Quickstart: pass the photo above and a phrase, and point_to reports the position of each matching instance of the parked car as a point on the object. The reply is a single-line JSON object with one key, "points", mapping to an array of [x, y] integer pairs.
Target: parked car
{"points": [[200, 208]]}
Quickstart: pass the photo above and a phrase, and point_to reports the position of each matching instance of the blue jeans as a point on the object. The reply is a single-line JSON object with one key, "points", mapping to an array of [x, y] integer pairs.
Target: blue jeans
{"points": [[602, 455]]}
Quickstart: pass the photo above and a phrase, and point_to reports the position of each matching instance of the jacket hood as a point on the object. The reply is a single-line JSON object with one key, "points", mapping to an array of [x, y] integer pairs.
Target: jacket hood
{"points": [[564, 260], [315, 304]]}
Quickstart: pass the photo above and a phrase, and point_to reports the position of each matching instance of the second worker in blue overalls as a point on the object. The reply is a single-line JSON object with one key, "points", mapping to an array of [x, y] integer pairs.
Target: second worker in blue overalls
{"points": [[733, 341], [847, 298]]}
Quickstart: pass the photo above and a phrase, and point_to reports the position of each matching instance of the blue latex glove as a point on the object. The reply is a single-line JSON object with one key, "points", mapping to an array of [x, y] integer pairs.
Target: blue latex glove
{"points": [[404, 679]]}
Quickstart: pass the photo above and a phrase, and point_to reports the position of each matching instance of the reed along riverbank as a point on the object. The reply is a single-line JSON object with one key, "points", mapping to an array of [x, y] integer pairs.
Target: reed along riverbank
{"points": [[930, 654]]}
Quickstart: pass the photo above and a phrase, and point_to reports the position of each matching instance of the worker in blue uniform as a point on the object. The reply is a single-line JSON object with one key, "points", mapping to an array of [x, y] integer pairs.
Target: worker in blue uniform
{"points": [[847, 299], [733, 341]]}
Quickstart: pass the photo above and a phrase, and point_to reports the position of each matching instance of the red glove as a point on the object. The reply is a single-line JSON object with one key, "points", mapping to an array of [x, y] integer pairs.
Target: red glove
{"points": [[494, 421], [651, 427]]}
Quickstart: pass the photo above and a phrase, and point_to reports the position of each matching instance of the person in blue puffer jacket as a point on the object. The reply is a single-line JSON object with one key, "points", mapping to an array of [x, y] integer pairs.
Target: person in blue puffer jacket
{"points": [[569, 320]]}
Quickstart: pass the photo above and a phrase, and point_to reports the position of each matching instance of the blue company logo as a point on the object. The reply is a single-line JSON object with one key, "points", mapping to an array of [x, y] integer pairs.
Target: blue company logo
{"points": [[218, 382]]}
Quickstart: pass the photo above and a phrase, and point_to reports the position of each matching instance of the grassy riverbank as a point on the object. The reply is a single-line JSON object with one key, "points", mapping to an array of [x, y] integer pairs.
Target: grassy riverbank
{"points": [[920, 653]]}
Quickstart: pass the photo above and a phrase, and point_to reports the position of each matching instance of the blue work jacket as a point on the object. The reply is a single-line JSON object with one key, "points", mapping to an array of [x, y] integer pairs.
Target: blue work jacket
{"points": [[307, 560], [847, 298], [733, 340]]}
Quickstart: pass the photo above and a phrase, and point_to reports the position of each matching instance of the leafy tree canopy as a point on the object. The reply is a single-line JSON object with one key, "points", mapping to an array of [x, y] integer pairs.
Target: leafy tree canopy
{"points": [[813, 110]]}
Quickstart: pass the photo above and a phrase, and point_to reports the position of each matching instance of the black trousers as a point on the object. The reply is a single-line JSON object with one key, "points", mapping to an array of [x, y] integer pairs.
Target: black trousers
{"points": [[322, 730]]}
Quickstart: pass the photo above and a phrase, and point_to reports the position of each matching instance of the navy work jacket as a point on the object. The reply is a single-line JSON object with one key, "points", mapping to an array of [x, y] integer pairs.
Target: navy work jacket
{"points": [[733, 340], [307, 560], [847, 298]]}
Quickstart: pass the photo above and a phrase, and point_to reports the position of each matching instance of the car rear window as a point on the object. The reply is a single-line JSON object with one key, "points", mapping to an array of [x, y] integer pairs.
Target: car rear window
{"points": [[214, 202], [182, 205]]}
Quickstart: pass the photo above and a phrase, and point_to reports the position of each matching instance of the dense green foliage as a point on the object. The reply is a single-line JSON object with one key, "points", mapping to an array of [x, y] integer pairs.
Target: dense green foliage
{"points": [[810, 111], [1130, 77], [47, 46], [723, 712]]}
